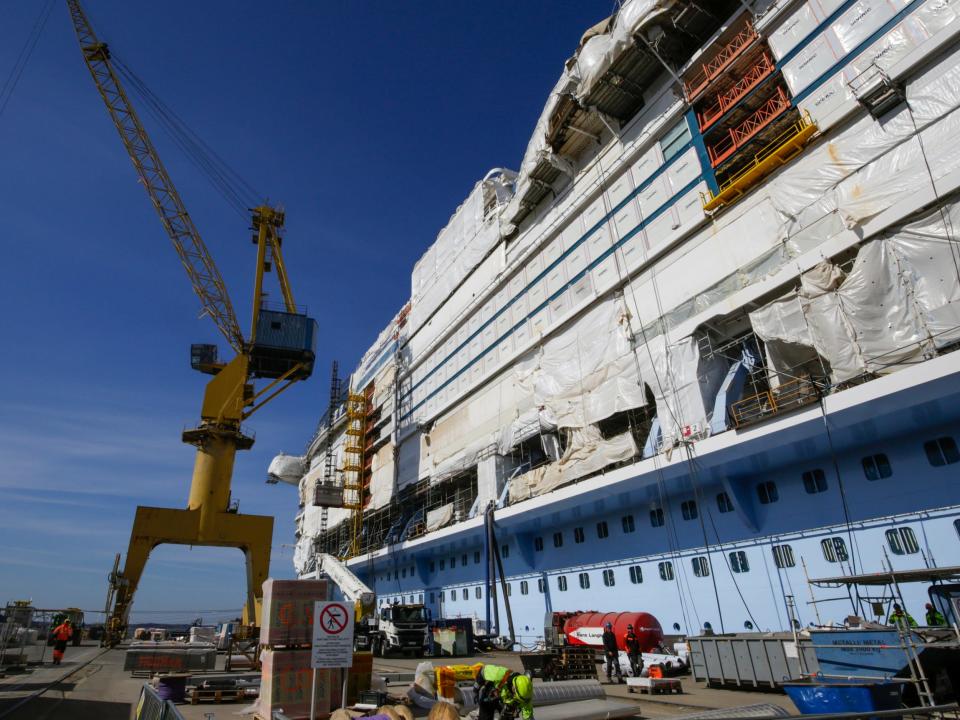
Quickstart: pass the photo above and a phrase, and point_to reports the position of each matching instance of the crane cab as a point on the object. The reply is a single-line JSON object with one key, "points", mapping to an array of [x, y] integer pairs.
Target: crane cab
{"points": [[282, 341]]}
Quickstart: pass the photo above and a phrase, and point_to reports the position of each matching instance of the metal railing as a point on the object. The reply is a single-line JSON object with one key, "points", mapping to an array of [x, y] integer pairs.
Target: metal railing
{"points": [[151, 707], [792, 394]]}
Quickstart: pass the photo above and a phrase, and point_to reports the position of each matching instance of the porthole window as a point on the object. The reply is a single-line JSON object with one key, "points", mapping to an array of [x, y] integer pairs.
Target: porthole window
{"points": [[628, 524], [723, 503], [584, 580], [608, 578], [876, 467], [814, 481], [636, 574], [701, 566], [783, 556], [602, 529], [942, 451], [578, 536], [562, 583], [688, 509], [767, 492], [738, 562], [666, 570], [656, 517]]}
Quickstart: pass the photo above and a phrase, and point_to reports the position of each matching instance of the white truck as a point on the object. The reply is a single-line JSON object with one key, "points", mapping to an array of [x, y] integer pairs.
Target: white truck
{"points": [[393, 628]]}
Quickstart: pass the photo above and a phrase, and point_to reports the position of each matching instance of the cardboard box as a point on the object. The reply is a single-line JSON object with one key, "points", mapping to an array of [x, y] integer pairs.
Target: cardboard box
{"points": [[287, 618], [285, 684]]}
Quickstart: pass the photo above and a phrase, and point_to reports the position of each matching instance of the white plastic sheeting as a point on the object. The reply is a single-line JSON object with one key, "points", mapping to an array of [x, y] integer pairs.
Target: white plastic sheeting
{"points": [[587, 372], [900, 300], [287, 468], [439, 517], [587, 452], [601, 51], [458, 249], [866, 168]]}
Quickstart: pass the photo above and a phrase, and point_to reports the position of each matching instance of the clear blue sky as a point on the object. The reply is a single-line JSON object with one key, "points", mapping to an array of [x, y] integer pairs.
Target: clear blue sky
{"points": [[368, 121]]}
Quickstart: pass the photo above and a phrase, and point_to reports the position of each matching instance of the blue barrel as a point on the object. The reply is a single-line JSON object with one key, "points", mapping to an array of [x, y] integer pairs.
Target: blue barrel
{"points": [[819, 695]]}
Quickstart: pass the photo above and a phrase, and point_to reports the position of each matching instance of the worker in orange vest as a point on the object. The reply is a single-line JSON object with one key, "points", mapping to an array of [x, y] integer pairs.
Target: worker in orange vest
{"points": [[61, 636]]}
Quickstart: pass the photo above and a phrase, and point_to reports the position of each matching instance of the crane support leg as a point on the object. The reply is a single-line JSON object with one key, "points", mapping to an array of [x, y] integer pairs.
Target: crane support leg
{"points": [[154, 526]]}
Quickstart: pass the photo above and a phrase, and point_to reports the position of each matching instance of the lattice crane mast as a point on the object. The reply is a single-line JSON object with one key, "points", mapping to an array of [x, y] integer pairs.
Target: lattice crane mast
{"points": [[280, 347]]}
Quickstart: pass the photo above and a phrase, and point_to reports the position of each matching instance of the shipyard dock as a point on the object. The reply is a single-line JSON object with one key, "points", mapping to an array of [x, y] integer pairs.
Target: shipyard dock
{"points": [[92, 685]]}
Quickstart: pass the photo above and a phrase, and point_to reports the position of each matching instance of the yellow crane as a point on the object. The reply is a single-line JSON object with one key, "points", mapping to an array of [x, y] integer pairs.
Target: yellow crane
{"points": [[280, 348]]}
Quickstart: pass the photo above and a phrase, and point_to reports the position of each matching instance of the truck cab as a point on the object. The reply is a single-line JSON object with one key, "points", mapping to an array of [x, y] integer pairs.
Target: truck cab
{"points": [[401, 628]]}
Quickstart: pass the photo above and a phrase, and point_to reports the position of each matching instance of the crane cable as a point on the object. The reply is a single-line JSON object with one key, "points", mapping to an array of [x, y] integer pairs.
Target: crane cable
{"points": [[16, 72], [232, 187]]}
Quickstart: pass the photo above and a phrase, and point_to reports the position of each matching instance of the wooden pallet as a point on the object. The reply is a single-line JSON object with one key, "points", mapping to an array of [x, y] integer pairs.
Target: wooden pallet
{"points": [[216, 695], [654, 686]]}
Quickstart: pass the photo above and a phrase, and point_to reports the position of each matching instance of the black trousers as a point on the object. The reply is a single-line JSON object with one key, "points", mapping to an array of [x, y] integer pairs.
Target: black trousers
{"points": [[636, 663], [487, 710]]}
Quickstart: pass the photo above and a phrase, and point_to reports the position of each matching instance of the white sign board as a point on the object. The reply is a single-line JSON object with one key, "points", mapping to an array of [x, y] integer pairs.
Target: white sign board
{"points": [[332, 635]]}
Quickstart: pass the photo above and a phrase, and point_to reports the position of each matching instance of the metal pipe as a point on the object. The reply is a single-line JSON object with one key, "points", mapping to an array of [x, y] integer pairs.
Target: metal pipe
{"points": [[503, 583]]}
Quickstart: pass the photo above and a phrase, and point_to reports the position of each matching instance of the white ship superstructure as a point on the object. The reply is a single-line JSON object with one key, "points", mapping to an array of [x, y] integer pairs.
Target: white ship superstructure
{"points": [[694, 350]]}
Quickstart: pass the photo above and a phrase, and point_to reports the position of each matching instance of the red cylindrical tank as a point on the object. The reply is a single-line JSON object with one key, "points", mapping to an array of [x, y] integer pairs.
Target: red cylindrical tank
{"points": [[587, 628]]}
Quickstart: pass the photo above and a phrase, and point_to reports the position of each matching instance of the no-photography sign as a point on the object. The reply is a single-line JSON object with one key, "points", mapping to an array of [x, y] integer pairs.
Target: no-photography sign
{"points": [[332, 635]]}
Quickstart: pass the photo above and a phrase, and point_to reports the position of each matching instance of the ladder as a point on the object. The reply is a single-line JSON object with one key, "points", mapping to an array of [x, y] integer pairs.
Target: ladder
{"points": [[352, 468]]}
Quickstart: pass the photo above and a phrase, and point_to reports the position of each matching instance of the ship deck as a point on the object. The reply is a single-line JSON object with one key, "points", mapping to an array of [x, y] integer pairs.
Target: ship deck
{"points": [[91, 684]]}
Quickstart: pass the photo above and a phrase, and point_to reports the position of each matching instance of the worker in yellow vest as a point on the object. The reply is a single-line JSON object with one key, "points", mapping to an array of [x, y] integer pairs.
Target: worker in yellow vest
{"points": [[498, 689]]}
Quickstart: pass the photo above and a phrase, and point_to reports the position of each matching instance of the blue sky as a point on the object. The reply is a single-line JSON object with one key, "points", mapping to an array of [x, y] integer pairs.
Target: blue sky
{"points": [[368, 121]]}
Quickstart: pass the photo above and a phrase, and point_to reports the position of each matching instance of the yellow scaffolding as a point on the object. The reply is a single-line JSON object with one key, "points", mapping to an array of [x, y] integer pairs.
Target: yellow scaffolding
{"points": [[781, 150], [353, 468]]}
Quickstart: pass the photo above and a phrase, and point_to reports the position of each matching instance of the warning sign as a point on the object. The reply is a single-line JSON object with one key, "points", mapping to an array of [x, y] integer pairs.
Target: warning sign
{"points": [[332, 635]]}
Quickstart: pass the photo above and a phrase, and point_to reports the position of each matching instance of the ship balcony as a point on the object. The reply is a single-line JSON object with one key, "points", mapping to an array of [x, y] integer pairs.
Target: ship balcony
{"points": [[727, 97], [729, 48], [791, 395], [739, 135]]}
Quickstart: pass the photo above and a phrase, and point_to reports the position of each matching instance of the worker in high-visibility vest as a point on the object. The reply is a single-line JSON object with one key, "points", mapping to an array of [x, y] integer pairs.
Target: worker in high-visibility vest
{"points": [[498, 689], [61, 636], [899, 616]]}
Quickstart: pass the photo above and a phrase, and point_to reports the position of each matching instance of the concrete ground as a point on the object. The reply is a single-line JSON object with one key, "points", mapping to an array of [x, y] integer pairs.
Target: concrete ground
{"points": [[92, 685], [696, 697]]}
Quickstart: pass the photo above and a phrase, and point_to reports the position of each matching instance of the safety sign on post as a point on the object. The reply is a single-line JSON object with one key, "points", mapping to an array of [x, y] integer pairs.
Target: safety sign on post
{"points": [[332, 635]]}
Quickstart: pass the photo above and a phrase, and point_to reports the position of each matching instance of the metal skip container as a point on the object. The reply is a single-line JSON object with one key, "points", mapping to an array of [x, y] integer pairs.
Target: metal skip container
{"points": [[757, 660]]}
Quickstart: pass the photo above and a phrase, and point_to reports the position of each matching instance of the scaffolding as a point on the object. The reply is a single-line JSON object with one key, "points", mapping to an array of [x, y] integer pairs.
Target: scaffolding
{"points": [[353, 469]]}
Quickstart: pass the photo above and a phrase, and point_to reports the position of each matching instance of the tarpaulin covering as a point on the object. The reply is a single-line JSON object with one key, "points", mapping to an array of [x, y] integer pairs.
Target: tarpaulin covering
{"points": [[588, 371], [899, 301], [587, 452], [439, 517], [287, 468], [458, 249]]}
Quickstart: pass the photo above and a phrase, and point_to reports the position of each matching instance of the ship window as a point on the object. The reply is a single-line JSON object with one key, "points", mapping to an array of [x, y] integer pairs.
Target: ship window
{"points": [[739, 562], [834, 549], [464, 594], [541, 585], [628, 525], [602, 529], [666, 570], [538, 544], [584, 580], [433, 566], [814, 481], [636, 574], [558, 539], [524, 587], [902, 541], [403, 573], [476, 554], [477, 592], [443, 564], [942, 451], [876, 467], [463, 560], [608, 578], [767, 492], [509, 589], [562, 583], [676, 138], [701, 566], [505, 551], [656, 517], [688, 508], [410, 600], [783, 556], [443, 595], [453, 562], [723, 503], [578, 535]]}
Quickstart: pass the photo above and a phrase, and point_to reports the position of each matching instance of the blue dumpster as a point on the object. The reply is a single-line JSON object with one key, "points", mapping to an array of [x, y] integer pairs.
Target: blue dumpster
{"points": [[817, 695]]}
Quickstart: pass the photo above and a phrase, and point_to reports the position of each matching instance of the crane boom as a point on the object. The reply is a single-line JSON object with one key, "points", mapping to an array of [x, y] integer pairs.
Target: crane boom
{"points": [[197, 261]]}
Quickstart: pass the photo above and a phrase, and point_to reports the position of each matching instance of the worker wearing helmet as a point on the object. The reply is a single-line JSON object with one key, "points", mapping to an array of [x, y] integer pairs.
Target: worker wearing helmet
{"points": [[498, 689], [612, 653], [61, 634], [632, 644]]}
